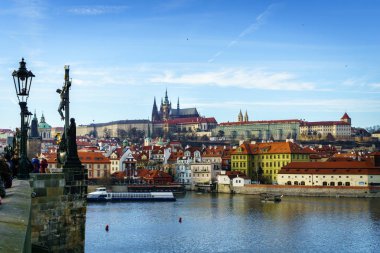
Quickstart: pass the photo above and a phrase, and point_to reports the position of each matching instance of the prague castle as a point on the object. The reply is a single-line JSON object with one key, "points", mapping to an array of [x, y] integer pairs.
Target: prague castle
{"points": [[167, 112]]}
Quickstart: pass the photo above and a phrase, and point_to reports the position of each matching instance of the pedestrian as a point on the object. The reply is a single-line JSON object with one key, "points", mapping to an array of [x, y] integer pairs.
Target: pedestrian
{"points": [[43, 165], [36, 165]]}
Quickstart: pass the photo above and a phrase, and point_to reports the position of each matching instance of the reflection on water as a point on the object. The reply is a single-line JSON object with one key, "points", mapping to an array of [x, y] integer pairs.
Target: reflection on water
{"points": [[235, 223]]}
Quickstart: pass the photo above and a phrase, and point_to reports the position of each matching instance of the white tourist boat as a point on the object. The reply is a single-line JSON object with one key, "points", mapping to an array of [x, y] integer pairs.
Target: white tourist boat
{"points": [[101, 194]]}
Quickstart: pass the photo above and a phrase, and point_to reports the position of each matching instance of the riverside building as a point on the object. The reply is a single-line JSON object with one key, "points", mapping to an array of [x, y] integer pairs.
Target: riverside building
{"points": [[335, 173], [267, 159]]}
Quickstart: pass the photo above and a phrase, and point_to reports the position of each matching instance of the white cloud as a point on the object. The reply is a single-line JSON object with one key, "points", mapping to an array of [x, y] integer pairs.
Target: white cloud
{"points": [[97, 10], [311, 105], [242, 78], [375, 85]]}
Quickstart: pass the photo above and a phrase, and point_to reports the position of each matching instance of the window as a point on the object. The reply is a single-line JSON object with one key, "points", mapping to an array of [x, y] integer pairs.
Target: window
{"points": [[347, 183]]}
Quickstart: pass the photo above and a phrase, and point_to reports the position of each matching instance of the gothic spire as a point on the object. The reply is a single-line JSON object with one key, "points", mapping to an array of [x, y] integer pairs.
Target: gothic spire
{"points": [[154, 111], [166, 101], [240, 116], [178, 104], [34, 127], [246, 116]]}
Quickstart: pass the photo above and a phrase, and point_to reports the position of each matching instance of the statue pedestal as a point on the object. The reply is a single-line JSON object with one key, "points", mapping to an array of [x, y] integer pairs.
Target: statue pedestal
{"points": [[76, 179]]}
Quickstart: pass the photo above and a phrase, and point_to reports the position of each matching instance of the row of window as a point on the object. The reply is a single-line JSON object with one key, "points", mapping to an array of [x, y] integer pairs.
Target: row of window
{"points": [[201, 175], [324, 183], [322, 176], [263, 165], [98, 166]]}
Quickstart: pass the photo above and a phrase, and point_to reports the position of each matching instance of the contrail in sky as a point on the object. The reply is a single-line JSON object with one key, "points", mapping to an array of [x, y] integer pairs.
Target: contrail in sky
{"points": [[260, 20]]}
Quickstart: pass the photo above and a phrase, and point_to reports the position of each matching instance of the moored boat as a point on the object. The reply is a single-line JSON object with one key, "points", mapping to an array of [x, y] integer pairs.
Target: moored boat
{"points": [[101, 194], [267, 197]]}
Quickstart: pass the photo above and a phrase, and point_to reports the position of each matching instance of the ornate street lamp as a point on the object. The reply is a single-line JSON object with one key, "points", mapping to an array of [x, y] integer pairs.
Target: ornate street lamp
{"points": [[22, 79]]}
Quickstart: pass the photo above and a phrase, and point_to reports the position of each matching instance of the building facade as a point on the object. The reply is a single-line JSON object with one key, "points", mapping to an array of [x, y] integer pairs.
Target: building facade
{"points": [[337, 173], [266, 159], [114, 128], [340, 130], [276, 130]]}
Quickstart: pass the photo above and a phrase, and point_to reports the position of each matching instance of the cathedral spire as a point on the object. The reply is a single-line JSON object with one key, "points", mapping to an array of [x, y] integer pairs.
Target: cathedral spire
{"points": [[155, 116], [246, 116], [166, 101], [240, 116], [178, 104]]}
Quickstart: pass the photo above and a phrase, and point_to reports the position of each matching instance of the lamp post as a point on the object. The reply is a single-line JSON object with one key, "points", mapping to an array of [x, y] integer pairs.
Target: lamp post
{"points": [[22, 79]]}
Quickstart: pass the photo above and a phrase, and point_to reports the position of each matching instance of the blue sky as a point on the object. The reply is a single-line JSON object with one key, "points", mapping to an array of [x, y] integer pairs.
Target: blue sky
{"points": [[310, 60]]}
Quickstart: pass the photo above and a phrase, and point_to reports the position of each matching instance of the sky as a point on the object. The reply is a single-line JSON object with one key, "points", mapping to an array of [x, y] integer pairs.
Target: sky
{"points": [[312, 60]]}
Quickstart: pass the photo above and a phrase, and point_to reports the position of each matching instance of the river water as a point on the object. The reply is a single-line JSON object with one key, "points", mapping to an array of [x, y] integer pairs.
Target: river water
{"points": [[235, 223]]}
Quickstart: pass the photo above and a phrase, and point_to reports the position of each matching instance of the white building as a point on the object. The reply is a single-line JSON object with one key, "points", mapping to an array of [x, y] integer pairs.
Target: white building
{"points": [[337, 173], [338, 129], [240, 181], [204, 173], [183, 171]]}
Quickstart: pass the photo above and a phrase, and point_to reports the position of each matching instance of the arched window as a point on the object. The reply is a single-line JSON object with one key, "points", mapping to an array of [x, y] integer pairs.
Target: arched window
{"points": [[332, 183], [347, 183], [295, 182], [289, 183], [302, 182], [324, 183], [340, 183]]}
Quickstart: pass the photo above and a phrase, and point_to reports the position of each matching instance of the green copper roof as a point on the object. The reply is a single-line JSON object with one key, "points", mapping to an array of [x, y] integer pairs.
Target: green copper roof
{"points": [[44, 125]]}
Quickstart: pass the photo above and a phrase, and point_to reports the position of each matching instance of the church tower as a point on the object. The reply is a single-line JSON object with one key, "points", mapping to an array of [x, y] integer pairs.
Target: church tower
{"points": [[155, 116], [346, 118], [34, 139], [246, 116], [166, 107], [240, 117]]}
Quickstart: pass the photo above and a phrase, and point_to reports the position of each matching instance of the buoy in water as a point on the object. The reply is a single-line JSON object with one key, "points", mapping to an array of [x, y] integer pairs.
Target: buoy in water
{"points": [[180, 220], [107, 228]]}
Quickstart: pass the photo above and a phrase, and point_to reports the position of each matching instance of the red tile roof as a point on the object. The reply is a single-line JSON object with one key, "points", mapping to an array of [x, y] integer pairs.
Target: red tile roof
{"points": [[261, 122], [345, 116], [338, 167], [191, 120], [324, 123], [272, 148]]}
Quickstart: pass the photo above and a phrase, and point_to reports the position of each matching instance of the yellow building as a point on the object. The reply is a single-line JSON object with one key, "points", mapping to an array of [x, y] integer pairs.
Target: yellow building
{"points": [[266, 159]]}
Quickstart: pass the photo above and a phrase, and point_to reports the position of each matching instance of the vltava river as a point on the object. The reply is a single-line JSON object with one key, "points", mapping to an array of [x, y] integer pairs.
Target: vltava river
{"points": [[235, 223]]}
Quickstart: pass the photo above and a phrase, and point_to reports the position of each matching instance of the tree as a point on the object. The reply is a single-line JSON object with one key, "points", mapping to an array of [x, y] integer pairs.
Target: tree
{"points": [[373, 129], [204, 138], [220, 133], [93, 133], [106, 133], [260, 173], [121, 133]]}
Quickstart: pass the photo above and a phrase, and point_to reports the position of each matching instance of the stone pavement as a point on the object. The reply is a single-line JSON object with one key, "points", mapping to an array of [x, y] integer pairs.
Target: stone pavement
{"points": [[15, 218]]}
